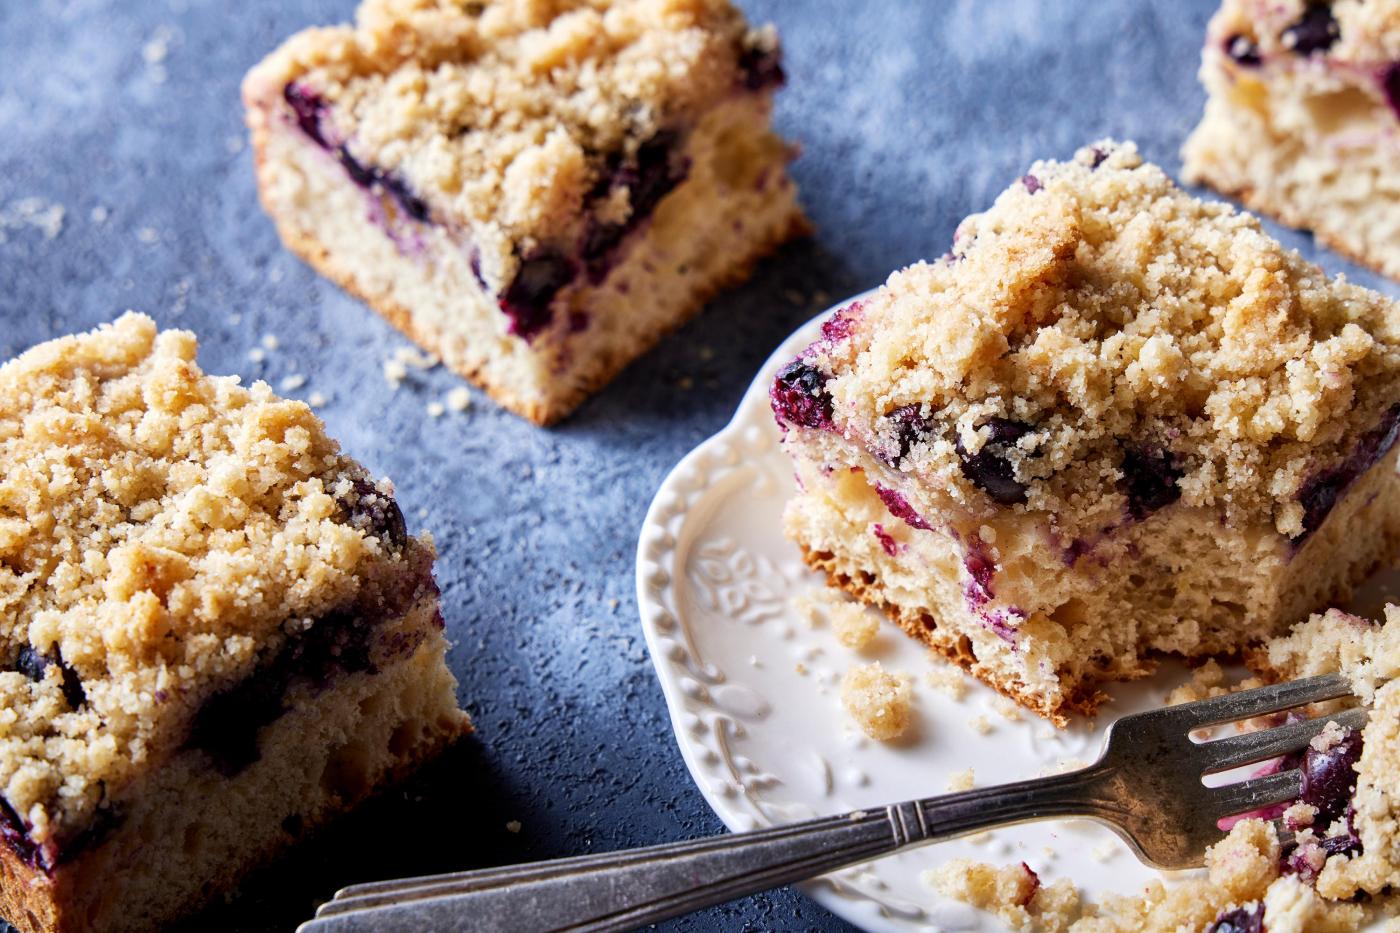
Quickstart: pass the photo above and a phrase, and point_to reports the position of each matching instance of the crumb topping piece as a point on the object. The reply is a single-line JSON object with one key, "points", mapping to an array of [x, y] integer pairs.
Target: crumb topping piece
{"points": [[879, 702], [1108, 332], [160, 530]]}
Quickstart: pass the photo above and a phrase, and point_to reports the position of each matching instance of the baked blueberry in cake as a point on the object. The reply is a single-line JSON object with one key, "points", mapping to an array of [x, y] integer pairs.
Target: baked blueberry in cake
{"points": [[535, 192], [1303, 119], [1114, 422], [216, 632]]}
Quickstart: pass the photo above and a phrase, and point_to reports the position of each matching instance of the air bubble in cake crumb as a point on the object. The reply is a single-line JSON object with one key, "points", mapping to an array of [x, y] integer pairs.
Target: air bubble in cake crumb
{"points": [[459, 399], [292, 382], [962, 780], [513, 826]]}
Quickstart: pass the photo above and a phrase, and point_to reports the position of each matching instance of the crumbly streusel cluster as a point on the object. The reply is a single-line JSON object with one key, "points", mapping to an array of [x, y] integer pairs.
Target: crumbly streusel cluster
{"points": [[1099, 337], [161, 531], [507, 114]]}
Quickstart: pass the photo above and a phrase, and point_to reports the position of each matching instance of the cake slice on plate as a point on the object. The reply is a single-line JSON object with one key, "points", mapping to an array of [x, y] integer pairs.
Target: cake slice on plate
{"points": [[1115, 421], [535, 192], [1303, 119], [216, 633]]}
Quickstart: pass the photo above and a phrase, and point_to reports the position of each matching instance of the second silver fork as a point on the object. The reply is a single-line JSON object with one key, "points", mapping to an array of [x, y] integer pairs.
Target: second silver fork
{"points": [[1146, 785]]}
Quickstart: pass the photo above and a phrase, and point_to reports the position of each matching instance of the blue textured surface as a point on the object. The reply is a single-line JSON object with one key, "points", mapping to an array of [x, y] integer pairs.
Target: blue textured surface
{"points": [[910, 116]]}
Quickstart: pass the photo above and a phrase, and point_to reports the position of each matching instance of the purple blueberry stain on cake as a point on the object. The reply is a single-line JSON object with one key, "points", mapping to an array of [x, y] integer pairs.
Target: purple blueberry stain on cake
{"points": [[843, 323], [308, 107], [990, 468], [887, 541], [901, 509], [1246, 919], [1320, 493], [1031, 183], [799, 396], [1150, 480], [1315, 31]]}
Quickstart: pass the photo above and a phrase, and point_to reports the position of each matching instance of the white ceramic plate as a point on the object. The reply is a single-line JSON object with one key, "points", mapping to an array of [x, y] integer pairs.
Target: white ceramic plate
{"points": [[753, 694]]}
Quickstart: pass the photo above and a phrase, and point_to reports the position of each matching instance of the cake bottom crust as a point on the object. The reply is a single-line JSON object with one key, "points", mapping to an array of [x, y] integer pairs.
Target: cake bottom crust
{"points": [[955, 646], [189, 834]]}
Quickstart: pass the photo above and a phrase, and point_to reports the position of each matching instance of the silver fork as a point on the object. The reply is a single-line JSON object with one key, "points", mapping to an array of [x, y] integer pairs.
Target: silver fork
{"points": [[1146, 786]]}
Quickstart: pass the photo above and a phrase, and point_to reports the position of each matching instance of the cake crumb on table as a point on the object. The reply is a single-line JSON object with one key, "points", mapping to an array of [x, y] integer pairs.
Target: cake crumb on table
{"points": [[946, 678], [513, 826], [878, 701], [981, 725]]}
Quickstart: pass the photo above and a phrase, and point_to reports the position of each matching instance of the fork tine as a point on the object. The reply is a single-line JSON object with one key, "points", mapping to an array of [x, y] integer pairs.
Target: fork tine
{"points": [[1224, 754], [1250, 703], [1256, 793]]}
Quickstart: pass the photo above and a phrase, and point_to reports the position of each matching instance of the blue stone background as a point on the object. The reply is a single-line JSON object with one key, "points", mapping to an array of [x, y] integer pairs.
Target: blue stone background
{"points": [[910, 115]]}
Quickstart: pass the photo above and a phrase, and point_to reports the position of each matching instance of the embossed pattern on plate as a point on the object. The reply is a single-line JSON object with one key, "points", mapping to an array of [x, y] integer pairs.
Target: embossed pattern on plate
{"points": [[753, 692]]}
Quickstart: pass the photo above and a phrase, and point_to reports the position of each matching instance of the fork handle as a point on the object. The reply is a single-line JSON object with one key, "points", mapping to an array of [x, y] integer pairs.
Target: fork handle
{"points": [[623, 890]]}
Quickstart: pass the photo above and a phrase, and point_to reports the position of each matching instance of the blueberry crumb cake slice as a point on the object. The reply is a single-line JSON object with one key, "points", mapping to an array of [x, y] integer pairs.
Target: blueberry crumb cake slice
{"points": [[534, 191], [1115, 421], [1303, 119], [216, 633]]}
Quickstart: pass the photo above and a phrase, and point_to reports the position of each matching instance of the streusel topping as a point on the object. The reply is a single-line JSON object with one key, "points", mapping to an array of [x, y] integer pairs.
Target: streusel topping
{"points": [[160, 531], [1101, 343], [504, 114]]}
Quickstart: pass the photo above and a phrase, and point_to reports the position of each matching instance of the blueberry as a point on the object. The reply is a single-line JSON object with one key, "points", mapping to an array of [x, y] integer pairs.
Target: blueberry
{"points": [[1243, 50], [761, 68], [1099, 156], [375, 513], [1320, 492], [1150, 478], [1330, 777], [1315, 31], [900, 508], [1246, 919], [910, 427], [887, 541], [34, 665], [799, 396], [1390, 84], [307, 106], [990, 468], [648, 177], [1032, 183], [15, 834], [527, 299]]}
